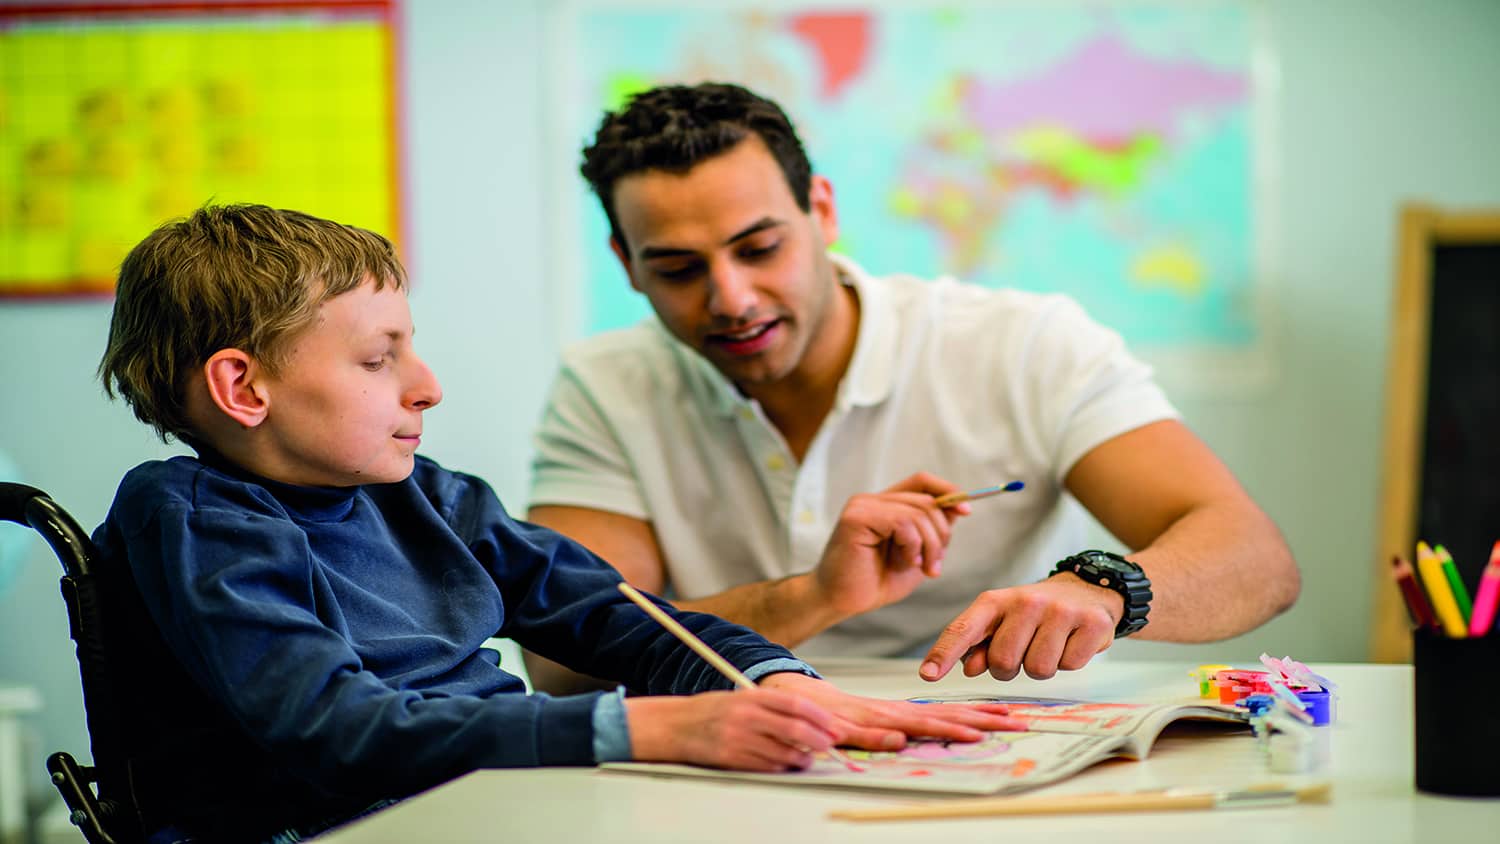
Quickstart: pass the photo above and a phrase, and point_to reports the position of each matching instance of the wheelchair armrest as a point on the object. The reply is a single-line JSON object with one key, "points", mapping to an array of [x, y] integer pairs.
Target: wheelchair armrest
{"points": [[73, 782]]}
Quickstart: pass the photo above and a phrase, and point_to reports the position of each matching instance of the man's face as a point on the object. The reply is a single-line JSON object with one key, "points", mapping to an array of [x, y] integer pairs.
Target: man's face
{"points": [[346, 409], [730, 263]]}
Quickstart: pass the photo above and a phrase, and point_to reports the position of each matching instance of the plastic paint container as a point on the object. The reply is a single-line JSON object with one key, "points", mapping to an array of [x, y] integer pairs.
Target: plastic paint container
{"points": [[1298, 753], [1319, 705], [1205, 675], [1235, 684], [1256, 703]]}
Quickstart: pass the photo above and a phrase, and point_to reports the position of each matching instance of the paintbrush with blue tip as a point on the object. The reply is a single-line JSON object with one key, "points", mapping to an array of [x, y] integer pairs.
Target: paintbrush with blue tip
{"points": [[953, 498]]}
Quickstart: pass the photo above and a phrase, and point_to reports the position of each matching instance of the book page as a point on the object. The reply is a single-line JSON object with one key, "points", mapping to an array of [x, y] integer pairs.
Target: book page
{"points": [[999, 763], [1065, 737], [1141, 723]]}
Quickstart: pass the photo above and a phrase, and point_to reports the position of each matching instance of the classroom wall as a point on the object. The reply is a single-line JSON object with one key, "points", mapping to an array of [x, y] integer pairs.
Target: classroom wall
{"points": [[1380, 101]]}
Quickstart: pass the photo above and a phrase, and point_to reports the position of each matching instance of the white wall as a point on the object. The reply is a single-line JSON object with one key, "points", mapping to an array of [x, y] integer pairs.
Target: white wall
{"points": [[1381, 101]]}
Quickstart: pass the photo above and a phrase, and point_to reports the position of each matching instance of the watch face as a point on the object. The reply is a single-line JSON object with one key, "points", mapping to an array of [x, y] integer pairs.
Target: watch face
{"points": [[1111, 562]]}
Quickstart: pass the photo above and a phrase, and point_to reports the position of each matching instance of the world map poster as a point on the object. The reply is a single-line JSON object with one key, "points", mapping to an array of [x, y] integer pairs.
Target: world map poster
{"points": [[1102, 150]]}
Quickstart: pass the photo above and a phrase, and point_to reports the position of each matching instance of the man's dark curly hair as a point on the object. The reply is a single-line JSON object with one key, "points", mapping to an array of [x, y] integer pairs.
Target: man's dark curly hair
{"points": [[674, 127]]}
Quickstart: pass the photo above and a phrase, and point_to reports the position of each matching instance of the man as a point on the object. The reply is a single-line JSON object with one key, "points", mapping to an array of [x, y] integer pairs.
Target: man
{"points": [[729, 450]]}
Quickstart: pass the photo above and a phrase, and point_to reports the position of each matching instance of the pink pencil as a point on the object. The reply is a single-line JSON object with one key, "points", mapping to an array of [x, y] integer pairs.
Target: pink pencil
{"points": [[1489, 595]]}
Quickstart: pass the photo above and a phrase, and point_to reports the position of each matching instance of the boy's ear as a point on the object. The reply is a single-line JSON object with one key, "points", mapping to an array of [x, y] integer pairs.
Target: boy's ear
{"points": [[618, 248], [234, 384]]}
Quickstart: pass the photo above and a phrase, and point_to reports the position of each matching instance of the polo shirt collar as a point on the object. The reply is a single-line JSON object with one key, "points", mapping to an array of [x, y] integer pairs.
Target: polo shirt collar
{"points": [[872, 369], [871, 374]]}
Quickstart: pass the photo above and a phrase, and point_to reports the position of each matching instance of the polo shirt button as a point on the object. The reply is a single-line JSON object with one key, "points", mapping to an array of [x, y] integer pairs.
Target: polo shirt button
{"points": [[747, 414], [806, 516], [775, 463]]}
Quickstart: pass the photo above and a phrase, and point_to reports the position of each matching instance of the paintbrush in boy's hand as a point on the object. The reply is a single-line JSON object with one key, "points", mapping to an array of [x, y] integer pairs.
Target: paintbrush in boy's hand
{"points": [[709, 655]]}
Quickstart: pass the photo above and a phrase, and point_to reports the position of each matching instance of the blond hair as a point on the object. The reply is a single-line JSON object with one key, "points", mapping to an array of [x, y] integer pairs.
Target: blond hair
{"points": [[244, 277]]}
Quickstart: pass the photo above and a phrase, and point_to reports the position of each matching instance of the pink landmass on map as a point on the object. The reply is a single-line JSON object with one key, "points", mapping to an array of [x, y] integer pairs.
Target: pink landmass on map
{"points": [[842, 42], [1103, 91]]}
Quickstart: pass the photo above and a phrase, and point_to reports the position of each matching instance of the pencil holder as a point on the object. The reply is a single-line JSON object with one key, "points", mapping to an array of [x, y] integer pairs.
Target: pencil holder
{"points": [[1458, 730]]}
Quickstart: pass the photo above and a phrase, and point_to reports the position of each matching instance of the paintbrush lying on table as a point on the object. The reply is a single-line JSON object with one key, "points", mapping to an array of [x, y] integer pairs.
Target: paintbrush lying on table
{"points": [[1161, 800]]}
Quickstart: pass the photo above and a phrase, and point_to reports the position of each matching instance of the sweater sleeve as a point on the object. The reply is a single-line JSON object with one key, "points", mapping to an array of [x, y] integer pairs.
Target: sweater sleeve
{"points": [[230, 586], [562, 602]]}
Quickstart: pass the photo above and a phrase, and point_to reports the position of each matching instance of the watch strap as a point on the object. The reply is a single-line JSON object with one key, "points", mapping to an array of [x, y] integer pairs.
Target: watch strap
{"points": [[1112, 571]]}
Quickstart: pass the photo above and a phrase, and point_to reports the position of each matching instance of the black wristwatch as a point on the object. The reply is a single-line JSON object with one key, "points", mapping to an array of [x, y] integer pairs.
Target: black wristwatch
{"points": [[1112, 571]]}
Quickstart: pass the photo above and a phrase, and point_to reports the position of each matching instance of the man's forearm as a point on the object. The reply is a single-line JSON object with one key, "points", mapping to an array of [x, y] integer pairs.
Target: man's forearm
{"points": [[1217, 572], [556, 679], [788, 611]]}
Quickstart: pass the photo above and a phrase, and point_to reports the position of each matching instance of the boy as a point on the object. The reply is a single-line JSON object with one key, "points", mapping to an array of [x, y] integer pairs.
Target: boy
{"points": [[318, 595]]}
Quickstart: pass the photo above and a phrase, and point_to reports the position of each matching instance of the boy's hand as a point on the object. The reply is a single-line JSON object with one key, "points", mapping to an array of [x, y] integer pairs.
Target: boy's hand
{"points": [[873, 724], [747, 730]]}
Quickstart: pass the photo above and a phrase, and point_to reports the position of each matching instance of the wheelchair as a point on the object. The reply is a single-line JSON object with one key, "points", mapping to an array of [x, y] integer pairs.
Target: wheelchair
{"points": [[108, 815]]}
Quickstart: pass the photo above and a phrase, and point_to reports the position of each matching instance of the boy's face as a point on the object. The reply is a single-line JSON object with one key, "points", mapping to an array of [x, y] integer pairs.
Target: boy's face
{"points": [[732, 266], [346, 409]]}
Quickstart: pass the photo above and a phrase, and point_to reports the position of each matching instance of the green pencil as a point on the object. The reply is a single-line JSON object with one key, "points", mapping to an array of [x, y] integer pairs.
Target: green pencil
{"points": [[1460, 594]]}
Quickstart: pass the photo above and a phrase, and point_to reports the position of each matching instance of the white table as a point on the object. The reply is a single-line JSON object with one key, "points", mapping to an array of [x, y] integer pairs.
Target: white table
{"points": [[15, 701], [1370, 767]]}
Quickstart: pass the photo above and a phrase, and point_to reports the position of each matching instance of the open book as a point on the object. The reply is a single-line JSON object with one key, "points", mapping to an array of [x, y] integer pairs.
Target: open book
{"points": [[1065, 736]]}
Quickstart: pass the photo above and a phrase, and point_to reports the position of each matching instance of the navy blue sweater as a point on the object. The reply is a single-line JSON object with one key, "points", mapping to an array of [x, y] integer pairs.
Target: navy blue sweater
{"points": [[334, 638]]}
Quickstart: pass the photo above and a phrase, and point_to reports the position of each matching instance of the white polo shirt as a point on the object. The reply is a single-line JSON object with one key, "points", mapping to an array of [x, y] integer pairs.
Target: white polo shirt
{"points": [[974, 385]]}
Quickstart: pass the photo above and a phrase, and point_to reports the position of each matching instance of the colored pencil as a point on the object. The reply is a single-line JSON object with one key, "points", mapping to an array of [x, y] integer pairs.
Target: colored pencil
{"points": [[1488, 597], [1416, 601], [1440, 593], [1456, 583], [1162, 800], [953, 498]]}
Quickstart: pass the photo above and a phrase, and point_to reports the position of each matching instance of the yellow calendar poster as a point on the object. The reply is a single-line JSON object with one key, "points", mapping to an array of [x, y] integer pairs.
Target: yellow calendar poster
{"points": [[119, 118]]}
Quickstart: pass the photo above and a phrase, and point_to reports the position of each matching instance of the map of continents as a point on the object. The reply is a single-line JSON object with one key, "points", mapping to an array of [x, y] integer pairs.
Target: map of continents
{"points": [[1102, 151]]}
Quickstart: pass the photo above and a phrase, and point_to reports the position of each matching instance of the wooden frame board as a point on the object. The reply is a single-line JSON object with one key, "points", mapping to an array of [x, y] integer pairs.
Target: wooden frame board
{"points": [[1421, 229]]}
